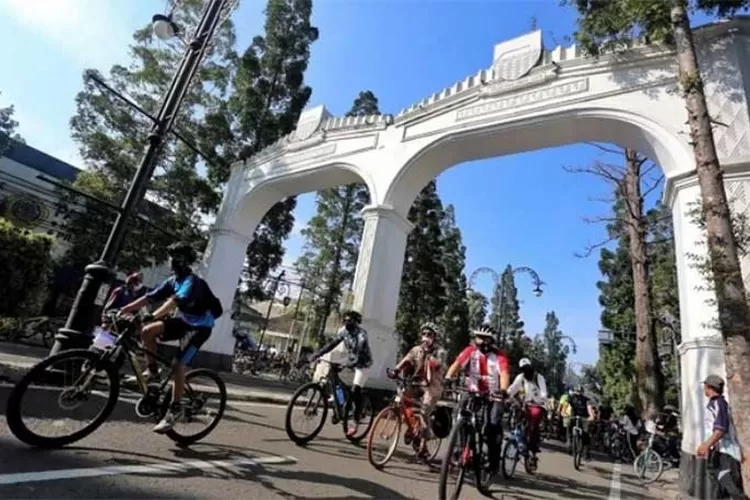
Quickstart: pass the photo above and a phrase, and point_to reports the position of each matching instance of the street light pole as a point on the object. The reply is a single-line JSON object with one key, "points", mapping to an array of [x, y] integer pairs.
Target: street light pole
{"points": [[95, 286]]}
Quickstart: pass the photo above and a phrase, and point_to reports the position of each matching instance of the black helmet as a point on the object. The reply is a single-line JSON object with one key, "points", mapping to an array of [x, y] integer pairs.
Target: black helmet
{"points": [[184, 251], [353, 315]]}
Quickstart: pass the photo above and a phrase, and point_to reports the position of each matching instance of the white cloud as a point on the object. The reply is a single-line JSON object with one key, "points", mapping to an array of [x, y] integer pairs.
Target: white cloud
{"points": [[91, 32]]}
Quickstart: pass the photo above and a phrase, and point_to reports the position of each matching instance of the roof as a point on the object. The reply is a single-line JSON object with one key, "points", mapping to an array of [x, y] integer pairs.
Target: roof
{"points": [[41, 161]]}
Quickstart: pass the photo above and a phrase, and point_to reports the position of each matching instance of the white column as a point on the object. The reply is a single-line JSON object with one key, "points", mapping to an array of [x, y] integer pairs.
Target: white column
{"points": [[702, 349], [221, 268], [376, 286]]}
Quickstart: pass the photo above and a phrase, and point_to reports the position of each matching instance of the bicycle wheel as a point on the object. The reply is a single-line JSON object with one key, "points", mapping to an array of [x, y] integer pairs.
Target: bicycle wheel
{"points": [[387, 425], [200, 385], [458, 455], [316, 405], [510, 458], [482, 476], [85, 382], [649, 462], [366, 417], [577, 451]]}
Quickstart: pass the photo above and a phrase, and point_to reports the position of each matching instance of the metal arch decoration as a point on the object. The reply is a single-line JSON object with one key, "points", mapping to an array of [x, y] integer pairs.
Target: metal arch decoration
{"points": [[483, 270], [537, 281]]}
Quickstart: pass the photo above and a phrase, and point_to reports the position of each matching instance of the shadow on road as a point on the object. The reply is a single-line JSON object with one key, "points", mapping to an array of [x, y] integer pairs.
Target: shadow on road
{"points": [[544, 486]]}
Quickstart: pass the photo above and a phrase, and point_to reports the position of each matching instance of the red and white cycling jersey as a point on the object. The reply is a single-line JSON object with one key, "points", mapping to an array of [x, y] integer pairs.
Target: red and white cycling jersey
{"points": [[483, 374]]}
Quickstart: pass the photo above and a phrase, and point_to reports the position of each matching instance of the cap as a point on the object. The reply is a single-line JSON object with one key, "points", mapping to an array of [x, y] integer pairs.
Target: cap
{"points": [[715, 381]]}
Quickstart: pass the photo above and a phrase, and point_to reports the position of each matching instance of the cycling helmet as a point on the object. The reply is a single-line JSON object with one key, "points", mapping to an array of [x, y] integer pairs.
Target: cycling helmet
{"points": [[484, 331], [353, 315], [184, 251], [431, 327], [524, 362]]}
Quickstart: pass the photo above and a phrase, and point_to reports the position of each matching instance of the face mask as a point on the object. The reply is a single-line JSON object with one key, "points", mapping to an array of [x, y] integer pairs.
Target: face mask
{"points": [[350, 327], [527, 371], [484, 348]]}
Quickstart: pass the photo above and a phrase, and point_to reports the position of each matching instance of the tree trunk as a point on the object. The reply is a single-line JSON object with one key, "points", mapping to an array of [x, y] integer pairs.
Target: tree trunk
{"points": [[647, 368], [734, 314], [333, 288]]}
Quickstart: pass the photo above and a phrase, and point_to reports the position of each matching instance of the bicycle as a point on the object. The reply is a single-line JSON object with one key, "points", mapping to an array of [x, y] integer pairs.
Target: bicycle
{"points": [[516, 446], [330, 385], [97, 370], [43, 327], [649, 458], [578, 444], [466, 444], [403, 408]]}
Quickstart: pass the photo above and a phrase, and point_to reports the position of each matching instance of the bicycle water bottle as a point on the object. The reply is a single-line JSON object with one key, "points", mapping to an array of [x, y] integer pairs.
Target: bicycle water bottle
{"points": [[520, 441], [340, 397]]}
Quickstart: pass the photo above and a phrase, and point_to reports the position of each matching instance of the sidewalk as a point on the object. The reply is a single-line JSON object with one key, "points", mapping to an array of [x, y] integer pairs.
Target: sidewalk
{"points": [[16, 359]]}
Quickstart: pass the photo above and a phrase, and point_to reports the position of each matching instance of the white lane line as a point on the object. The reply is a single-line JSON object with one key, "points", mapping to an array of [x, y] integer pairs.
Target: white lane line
{"points": [[163, 468], [614, 486]]}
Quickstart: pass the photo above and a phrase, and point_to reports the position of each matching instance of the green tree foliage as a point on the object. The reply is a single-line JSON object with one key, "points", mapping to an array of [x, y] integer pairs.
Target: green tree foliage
{"points": [[478, 304], [455, 319], [8, 127], [24, 267], [422, 296], [333, 235], [268, 98], [505, 315], [112, 139], [553, 353]]}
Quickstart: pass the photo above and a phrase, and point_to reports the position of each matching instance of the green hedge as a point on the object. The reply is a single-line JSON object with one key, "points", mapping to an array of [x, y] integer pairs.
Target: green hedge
{"points": [[25, 265]]}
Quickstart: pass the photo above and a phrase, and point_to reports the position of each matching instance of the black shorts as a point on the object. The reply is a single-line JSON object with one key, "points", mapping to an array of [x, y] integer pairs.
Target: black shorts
{"points": [[191, 338]]}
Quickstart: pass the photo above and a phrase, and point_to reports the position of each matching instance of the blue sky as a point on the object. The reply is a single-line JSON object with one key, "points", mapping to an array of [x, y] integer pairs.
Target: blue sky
{"points": [[521, 209]]}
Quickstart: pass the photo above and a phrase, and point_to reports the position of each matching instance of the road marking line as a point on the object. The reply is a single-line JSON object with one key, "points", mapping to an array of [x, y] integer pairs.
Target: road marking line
{"points": [[156, 468], [615, 485]]}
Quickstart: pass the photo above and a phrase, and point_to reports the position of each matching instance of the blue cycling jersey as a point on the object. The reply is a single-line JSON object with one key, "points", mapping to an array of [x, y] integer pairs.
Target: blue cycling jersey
{"points": [[191, 299]]}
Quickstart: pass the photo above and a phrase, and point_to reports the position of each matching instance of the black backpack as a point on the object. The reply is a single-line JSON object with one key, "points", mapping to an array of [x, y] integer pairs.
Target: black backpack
{"points": [[213, 304]]}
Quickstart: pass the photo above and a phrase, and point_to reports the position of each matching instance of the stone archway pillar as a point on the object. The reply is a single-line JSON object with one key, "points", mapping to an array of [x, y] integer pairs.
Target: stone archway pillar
{"points": [[221, 268], [702, 349], [376, 286]]}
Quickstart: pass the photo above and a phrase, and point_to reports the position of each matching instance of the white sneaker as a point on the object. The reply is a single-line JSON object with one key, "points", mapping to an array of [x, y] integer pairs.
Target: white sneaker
{"points": [[147, 374], [174, 414]]}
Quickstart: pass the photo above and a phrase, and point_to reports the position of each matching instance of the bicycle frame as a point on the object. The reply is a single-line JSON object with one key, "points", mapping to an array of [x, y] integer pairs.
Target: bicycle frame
{"points": [[328, 385]]}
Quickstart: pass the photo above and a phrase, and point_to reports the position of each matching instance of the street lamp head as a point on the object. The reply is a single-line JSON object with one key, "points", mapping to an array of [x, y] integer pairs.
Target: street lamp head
{"points": [[164, 27], [538, 291]]}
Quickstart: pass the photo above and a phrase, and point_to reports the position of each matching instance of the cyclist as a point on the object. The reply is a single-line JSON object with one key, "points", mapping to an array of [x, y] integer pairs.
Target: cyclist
{"points": [[196, 311], [604, 414], [357, 345], [534, 397], [422, 362], [123, 295], [563, 410], [488, 372], [580, 406]]}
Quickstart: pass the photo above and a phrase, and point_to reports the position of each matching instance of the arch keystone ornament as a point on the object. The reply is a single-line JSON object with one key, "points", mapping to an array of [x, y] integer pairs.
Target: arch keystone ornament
{"points": [[527, 98]]}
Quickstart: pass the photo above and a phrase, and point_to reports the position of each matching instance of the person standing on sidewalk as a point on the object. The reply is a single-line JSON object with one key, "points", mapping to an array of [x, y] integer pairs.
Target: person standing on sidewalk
{"points": [[721, 447]]}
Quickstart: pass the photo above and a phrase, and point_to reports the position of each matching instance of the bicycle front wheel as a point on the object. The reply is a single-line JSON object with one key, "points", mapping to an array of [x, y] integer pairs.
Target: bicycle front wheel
{"points": [[311, 400], [80, 376], [201, 385], [386, 426], [649, 466], [577, 451], [456, 461]]}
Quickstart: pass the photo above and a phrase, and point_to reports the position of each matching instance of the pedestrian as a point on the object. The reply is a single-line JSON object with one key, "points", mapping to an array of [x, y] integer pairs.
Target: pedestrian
{"points": [[720, 446]]}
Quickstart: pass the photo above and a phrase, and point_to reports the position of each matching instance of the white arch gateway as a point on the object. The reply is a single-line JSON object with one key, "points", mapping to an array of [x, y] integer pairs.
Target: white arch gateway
{"points": [[530, 98]]}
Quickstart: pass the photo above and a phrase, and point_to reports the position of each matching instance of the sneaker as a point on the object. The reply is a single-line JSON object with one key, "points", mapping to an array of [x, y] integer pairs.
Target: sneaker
{"points": [[352, 430], [148, 374], [174, 414]]}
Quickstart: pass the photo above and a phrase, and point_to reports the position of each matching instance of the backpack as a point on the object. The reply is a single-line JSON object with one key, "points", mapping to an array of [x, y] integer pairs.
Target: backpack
{"points": [[213, 304]]}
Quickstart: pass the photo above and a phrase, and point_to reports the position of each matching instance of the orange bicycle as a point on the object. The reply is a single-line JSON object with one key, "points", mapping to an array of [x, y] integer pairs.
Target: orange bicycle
{"points": [[404, 409]]}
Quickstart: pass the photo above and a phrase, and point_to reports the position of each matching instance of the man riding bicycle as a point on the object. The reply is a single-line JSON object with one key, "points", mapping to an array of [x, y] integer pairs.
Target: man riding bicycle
{"points": [[196, 311], [423, 365], [580, 406], [487, 372], [357, 345], [534, 397]]}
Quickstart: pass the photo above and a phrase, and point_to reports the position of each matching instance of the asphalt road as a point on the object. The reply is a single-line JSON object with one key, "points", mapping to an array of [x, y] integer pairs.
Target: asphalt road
{"points": [[250, 456]]}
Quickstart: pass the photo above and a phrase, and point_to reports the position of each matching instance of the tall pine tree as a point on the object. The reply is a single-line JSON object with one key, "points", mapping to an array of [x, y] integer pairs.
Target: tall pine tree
{"points": [[112, 139], [456, 320], [505, 316], [477, 304], [269, 93], [555, 354], [422, 296], [333, 235]]}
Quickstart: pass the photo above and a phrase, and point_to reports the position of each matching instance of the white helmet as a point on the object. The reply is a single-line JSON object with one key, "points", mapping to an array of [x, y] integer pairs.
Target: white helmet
{"points": [[524, 362]]}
